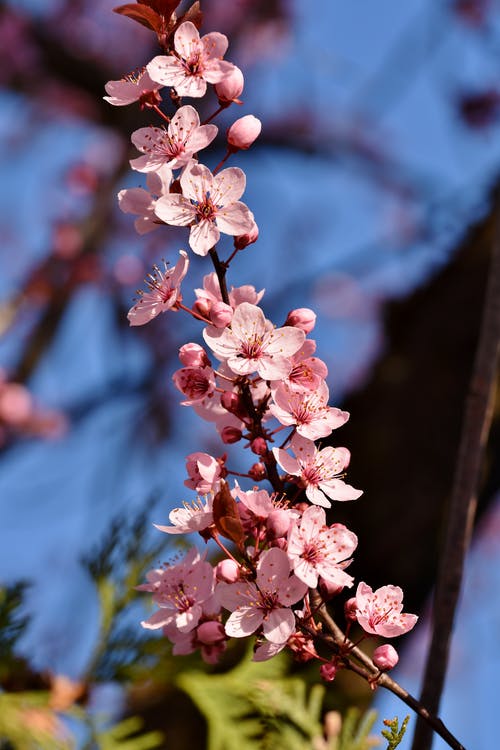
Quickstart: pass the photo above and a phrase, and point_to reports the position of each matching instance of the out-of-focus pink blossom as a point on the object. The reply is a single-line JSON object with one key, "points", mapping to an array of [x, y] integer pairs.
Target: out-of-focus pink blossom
{"points": [[243, 132], [302, 318], [16, 403], [194, 382], [252, 344], [318, 470], [265, 603], [314, 549], [209, 204], [210, 632], [380, 612], [231, 87], [385, 657], [134, 88], [173, 146], [196, 516], [142, 202], [193, 355], [307, 410], [221, 314], [196, 63], [204, 473], [164, 292]]}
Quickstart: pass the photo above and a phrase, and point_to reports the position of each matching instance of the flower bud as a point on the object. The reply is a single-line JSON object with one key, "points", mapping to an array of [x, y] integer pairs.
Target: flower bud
{"points": [[227, 570], [243, 240], [350, 609], [230, 88], [328, 671], [221, 314], [278, 523], [193, 355], [328, 589], [302, 318], [203, 307], [259, 446], [257, 472], [233, 404], [230, 435], [243, 132], [385, 657], [210, 632]]}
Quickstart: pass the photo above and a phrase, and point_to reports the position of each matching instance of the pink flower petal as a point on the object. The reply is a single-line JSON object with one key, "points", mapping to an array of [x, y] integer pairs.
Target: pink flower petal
{"points": [[175, 209], [203, 237], [279, 625]]}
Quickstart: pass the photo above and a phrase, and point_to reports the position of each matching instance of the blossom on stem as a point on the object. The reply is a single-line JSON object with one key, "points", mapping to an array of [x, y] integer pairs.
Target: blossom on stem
{"points": [[194, 382], [173, 146], [243, 132], [314, 549], [142, 203], [204, 473], [307, 410], [380, 612], [230, 88], [265, 603], [210, 204], [191, 517], [165, 292], [252, 344], [308, 372], [180, 591], [196, 62], [134, 88], [318, 470], [210, 293]]}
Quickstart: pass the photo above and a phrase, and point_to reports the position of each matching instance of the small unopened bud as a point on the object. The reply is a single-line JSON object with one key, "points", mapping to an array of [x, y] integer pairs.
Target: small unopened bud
{"points": [[233, 404], [328, 671], [259, 446], [227, 570], [230, 88], [203, 307], [350, 609], [210, 632], [193, 355], [278, 523], [243, 240], [302, 318], [243, 132], [385, 657], [221, 314], [328, 589], [230, 435], [257, 472]]}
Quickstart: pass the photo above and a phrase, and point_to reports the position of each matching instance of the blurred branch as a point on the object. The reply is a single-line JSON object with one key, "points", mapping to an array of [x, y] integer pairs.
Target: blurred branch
{"points": [[461, 511]]}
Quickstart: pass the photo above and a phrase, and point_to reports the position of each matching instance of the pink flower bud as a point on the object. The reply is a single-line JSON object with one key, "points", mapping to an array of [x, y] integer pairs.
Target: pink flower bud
{"points": [[233, 404], [230, 435], [257, 472], [350, 609], [243, 240], [221, 314], [258, 446], [210, 632], [302, 318], [385, 657], [227, 570], [16, 404], [202, 307], [230, 88], [278, 523], [328, 671], [193, 355], [243, 132], [328, 589]]}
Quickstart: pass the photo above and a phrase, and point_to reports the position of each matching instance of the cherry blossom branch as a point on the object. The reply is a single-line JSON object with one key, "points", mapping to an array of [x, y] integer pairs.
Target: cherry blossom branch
{"points": [[220, 270], [462, 508]]}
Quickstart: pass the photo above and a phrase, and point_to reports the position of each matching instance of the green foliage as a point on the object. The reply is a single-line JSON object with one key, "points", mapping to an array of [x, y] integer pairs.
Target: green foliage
{"points": [[27, 723], [394, 734], [126, 736], [355, 732]]}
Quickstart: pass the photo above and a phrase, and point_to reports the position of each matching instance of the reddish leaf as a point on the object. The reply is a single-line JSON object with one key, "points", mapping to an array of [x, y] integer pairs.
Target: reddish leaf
{"points": [[192, 14], [143, 14], [226, 517], [164, 8]]}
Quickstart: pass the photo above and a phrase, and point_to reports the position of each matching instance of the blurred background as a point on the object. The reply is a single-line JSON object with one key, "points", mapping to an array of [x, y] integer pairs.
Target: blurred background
{"points": [[375, 184]]}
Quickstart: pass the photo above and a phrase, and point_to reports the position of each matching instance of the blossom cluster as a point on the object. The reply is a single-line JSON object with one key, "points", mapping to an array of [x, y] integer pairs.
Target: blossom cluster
{"points": [[259, 384]]}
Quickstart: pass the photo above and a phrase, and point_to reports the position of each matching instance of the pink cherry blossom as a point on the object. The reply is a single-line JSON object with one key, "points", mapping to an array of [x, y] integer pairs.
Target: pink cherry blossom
{"points": [[191, 517], [196, 62], [180, 591], [164, 292], [204, 473], [193, 355], [142, 202], [314, 549], [230, 88], [265, 603], [173, 146], [210, 204], [385, 657], [380, 612], [303, 318], [134, 88], [308, 372], [252, 344], [318, 470], [194, 382], [306, 410], [210, 293]]}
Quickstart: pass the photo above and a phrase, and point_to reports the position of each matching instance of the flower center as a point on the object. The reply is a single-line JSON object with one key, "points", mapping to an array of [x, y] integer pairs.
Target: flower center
{"points": [[206, 210]]}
